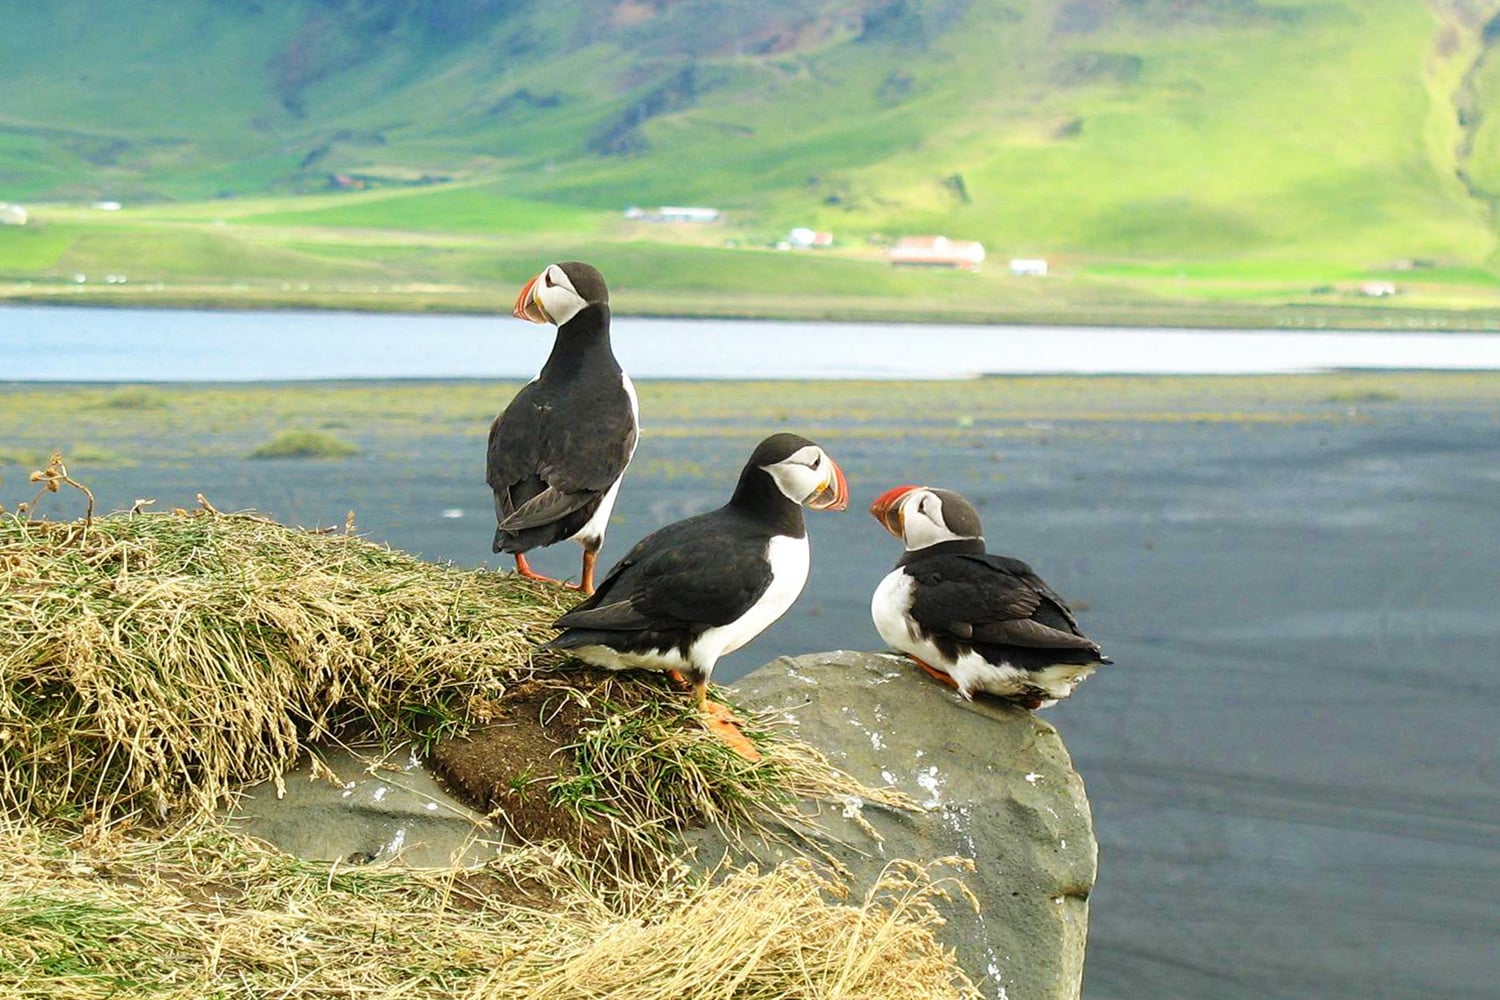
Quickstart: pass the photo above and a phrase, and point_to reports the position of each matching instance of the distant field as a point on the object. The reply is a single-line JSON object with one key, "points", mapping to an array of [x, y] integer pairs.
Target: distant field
{"points": [[467, 248]]}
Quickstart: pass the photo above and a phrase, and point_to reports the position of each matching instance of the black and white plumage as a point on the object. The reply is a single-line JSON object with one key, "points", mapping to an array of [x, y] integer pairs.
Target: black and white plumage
{"points": [[558, 451], [979, 622], [702, 587]]}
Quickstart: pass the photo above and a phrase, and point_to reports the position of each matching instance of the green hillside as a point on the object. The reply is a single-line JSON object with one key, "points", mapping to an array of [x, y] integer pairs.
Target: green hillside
{"points": [[1206, 160]]}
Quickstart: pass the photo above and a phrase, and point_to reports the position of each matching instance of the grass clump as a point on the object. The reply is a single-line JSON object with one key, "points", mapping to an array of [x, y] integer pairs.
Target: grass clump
{"points": [[135, 398], [644, 765], [305, 444], [1364, 396], [205, 913], [154, 662]]}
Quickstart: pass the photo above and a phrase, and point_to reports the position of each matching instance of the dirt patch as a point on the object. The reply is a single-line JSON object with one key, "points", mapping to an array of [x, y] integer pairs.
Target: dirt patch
{"points": [[508, 767]]}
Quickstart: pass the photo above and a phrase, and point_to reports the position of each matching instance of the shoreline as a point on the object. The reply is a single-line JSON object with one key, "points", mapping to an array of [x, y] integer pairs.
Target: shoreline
{"points": [[1123, 315], [1379, 376]]}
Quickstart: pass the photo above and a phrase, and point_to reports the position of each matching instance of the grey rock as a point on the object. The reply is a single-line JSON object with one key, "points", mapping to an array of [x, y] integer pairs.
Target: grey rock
{"points": [[360, 810], [998, 787]]}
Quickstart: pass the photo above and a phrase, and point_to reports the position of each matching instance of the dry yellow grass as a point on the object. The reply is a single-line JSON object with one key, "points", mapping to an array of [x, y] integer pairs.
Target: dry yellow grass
{"points": [[205, 914], [154, 662]]}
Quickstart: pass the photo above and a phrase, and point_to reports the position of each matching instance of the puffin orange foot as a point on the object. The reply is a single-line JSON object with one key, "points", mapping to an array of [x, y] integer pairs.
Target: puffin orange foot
{"points": [[939, 675], [723, 723], [523, 569]]}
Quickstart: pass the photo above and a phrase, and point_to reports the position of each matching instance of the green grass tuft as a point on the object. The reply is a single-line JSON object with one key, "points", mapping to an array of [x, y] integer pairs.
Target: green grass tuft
{"points": [[134, 398], [1365, 396], [304, 444]]}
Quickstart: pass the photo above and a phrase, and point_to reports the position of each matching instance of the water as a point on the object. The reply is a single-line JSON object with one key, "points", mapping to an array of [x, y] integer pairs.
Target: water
{"points": [[91, 344]]}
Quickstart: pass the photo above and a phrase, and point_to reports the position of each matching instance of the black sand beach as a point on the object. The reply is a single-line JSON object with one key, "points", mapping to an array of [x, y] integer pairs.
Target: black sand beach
{"points": [[1293, 761]]}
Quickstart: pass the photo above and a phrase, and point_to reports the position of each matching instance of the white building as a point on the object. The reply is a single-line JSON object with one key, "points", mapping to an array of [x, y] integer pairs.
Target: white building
{"points": [[677, 213], [937, 251], [12, 215], [801, 238], [673, 213]]}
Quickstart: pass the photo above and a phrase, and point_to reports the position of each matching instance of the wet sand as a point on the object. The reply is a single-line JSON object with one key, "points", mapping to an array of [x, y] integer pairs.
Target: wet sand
{"points": [[1293, 763]]}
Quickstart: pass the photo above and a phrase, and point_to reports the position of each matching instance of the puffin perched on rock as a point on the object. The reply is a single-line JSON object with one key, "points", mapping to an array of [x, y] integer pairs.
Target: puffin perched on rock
{"points": [[975, 621], [558, 452], [702, 587]]}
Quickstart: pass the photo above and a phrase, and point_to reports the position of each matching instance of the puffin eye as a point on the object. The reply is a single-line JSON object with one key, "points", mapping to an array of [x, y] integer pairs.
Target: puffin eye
{"points": [[548, 278]]}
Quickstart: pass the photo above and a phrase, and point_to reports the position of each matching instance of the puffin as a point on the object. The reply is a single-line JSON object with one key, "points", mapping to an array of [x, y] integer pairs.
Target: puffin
{"points": [[702, 587], [975, 621], [559, 450]]}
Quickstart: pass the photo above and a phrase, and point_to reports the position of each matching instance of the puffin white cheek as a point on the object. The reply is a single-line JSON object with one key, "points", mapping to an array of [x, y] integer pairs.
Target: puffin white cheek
{"points": [[921, 530], [795, 480], [561, 303]]}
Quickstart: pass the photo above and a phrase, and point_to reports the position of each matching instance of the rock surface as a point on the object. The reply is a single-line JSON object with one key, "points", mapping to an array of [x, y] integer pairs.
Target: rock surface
{"points": [[358, 810], [999, 788]]}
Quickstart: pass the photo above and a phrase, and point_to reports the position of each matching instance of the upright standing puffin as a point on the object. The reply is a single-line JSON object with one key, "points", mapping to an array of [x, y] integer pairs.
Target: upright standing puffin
{"points": [[702, 587], [557, 453], [975, 621]]}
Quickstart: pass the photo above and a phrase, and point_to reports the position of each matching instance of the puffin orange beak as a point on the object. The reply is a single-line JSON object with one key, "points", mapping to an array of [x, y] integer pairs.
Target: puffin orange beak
{"points": [[834, 493], [527, 306], [887, 509]]}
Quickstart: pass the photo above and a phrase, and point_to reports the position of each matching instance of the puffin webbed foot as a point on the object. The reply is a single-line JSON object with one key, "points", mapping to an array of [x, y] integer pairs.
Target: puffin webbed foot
{"points": [[723, 723], [523, 569], [939, 675]]}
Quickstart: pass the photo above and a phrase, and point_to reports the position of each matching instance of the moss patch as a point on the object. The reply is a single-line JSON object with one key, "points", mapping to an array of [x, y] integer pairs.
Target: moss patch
{"points": [[304, 444]]}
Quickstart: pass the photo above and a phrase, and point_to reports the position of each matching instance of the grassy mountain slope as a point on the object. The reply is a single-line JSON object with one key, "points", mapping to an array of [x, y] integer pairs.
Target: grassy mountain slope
{"points": [[1213, 151]]}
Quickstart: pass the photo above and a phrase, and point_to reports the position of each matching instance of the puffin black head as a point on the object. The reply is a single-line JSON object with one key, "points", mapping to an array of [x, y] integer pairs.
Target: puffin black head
{"points": [[800, 470], [921, 516], [560, 292]]}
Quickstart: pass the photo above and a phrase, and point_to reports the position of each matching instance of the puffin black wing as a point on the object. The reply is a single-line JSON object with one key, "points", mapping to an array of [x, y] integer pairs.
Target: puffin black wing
{"points": [[694, 574], [989, 599], [551, 456]]}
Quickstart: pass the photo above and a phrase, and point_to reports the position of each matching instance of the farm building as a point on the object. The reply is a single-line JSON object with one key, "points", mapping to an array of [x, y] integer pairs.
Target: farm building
{"points": [[937, 251], [802, 237], [673, 213]]}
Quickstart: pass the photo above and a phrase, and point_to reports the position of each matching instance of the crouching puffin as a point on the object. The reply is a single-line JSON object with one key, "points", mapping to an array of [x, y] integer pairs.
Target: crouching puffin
{"points": [[975, 621], [702, 587], [557, 453]]}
